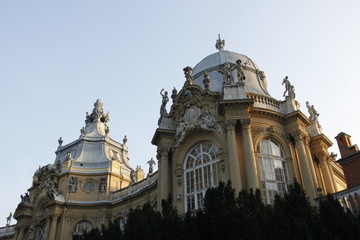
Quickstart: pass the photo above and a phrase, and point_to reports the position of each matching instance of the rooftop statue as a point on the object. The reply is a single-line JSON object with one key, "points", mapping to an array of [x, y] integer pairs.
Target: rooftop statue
{"points": [[226, 70], [289, 88], [313, 113], [188, 76], [174, 94], [8, 219], [165, 100], [151, 163], [240, 71]]}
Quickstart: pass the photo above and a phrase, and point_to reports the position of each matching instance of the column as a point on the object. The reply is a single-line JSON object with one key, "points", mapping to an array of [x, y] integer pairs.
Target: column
{"points": [[47, 228], [250, 161], [21, 233], [304, 165], [323, 159], [235, 173], [311, 163], [163, 184], [53, 226]]}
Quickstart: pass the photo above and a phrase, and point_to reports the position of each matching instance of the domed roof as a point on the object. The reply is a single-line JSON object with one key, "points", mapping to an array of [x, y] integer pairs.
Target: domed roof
{"points": [[255, 81]]}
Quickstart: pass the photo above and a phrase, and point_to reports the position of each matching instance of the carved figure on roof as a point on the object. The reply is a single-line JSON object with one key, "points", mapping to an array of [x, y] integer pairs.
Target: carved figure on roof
{"points": [[220, 43], [313, 113], [188, 76], [226, 70], [206, 81], [240, 71], [174, 94], [8, 219], [165, 100], [132, 176], [289, 89], [151, 163], [60, 141]]}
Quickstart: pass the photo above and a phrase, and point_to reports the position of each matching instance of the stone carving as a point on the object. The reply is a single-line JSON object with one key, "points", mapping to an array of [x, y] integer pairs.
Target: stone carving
{"points": [[165, 100], [289, 88], [261, 75], [192, 119], [97, 119], [188, 76], [114, 154], [102, 184], [73, 184], [240, 72], [208, 122], [52, 189], [26, 198], [220, 43], [174, 94], [226, 70], [313, 113], [151, 163], [206, 81]]}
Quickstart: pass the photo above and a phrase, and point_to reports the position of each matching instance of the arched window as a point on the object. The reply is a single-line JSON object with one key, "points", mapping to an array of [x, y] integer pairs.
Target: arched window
{"points": [[274, 171], [41, 231], [202, 171], [82, 227]]}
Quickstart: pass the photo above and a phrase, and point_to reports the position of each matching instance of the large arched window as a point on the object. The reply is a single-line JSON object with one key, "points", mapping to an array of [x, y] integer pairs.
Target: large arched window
{"points": [[202, 171], [274, 171], [82, 227], [41, 231]]}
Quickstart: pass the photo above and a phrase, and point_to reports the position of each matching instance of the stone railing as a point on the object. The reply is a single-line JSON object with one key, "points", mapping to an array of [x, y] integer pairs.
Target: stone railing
{"points": [[135, 188], [7, 231], [264, 100], [349, 198]]}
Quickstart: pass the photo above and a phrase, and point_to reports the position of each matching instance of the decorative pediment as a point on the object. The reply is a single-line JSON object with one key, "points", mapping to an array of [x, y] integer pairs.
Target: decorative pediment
{"points": [[192, 119]]}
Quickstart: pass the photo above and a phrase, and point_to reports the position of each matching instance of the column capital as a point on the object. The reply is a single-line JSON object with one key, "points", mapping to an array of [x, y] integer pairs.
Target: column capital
{"points": [[230, 124], [299, 135], [161, 151], [245, 123]]}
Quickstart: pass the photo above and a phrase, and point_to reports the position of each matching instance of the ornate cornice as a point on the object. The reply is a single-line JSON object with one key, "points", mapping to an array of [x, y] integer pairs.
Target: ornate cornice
{"points": [[225, 105], [160, 133]]}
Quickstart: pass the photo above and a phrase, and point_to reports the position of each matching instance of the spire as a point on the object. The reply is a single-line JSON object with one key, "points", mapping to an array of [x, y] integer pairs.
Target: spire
{"points": [[220, 43]]}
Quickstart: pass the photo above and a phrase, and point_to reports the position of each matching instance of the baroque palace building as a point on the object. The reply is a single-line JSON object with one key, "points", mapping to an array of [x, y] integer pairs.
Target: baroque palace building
{"points": [[222, 125]]}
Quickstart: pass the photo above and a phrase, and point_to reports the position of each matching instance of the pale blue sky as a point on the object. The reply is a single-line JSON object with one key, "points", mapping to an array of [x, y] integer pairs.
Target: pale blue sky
{"points": [[58, 57]]}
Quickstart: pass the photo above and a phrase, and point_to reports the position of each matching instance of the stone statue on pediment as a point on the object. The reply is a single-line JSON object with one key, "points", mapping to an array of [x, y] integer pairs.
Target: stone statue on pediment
{"points": [[165, 100]]}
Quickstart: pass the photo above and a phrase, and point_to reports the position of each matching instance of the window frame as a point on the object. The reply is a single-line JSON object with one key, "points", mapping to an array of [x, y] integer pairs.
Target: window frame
{"points": [[274, 169], [201, 171]]}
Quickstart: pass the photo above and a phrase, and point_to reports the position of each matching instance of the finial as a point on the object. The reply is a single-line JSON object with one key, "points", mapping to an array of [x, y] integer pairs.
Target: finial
{"points": [[206, 81], [125, 140], [220, 43]]}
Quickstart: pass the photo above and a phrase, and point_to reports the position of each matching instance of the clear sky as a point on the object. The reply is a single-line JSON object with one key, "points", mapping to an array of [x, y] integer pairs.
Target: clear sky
{"points": [[58, 57]]}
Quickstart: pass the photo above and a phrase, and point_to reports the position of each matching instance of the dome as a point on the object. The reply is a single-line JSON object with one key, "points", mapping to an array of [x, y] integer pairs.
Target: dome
{"points": [[255, 80]]}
